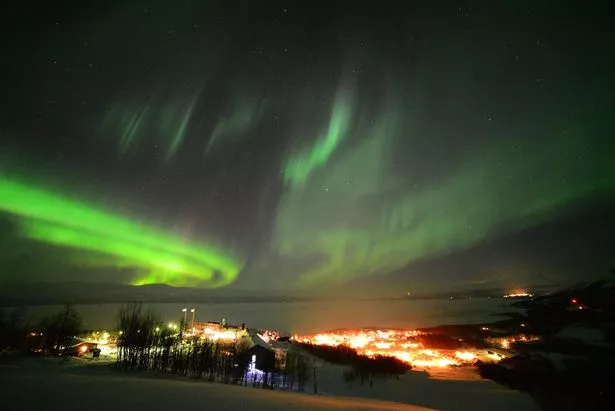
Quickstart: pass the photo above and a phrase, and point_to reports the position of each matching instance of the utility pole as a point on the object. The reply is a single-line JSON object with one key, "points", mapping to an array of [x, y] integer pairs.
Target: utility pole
{"points": [[315, 384]]}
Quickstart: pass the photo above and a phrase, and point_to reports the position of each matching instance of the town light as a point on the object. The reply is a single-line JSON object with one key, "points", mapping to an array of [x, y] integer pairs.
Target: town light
{"points": [[465, 355], [401, 344]]}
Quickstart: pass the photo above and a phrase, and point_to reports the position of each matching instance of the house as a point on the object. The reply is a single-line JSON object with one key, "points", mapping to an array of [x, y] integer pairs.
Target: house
{"points": [[259, 355]]}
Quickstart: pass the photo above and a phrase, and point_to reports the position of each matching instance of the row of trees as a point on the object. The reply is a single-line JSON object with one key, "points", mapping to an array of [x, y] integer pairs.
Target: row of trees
{"points": [[52, 333], [295, 369], [362, 368], [60, 329], [145, 343], [12, 330]]}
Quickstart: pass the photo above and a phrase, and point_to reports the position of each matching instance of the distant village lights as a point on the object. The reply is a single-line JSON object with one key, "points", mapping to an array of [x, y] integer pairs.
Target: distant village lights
{"points": [[518, 294], [401, 344]]}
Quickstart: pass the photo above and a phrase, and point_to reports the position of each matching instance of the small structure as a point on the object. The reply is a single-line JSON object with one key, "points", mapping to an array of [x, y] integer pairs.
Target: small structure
{"points": [[494, 355], [80, 348], [259, 355]]}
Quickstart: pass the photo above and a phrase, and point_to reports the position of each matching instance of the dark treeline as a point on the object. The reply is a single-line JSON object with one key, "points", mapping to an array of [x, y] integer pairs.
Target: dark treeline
{"points": [[294, 370], [59, 329], [13, 331], [145, 343], [49, 336], [363, 368]]}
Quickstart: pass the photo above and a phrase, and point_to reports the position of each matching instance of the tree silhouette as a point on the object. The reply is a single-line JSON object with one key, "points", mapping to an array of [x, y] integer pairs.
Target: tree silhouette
{"points": [[60, 328]]}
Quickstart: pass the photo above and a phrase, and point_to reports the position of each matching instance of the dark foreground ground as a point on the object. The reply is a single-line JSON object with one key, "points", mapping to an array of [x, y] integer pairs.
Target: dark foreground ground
{"points": [[50, 385]]}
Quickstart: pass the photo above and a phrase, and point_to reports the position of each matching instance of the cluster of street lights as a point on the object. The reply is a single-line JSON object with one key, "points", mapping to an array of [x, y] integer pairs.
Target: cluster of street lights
{"points": [[185, 311], [176, 327]]}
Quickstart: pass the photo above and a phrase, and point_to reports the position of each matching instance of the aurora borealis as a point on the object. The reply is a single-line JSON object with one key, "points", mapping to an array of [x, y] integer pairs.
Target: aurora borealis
{"points": [[50, 218], [279, 147]]}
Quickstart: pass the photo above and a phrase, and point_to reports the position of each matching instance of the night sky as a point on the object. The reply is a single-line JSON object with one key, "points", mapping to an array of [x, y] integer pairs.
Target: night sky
{"points": [[298, 145]]}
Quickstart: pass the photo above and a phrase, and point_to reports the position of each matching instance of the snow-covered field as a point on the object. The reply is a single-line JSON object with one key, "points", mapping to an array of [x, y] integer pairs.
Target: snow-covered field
{"points": [[448, 389], [51, 384], [48, 385]]}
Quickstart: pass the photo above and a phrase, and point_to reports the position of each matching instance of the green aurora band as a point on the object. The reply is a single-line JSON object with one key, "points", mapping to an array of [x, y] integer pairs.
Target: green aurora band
{"points": [[58, 220], [299, 166], [159, 122], [166, 124], [229, 129], [358, 216]]}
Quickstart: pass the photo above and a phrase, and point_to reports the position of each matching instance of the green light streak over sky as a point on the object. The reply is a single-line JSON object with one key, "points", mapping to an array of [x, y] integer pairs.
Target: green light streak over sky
{"points": [[299, 166], [229, 128], [159, 258], [359, 216], [180, 133], [155, 121]]}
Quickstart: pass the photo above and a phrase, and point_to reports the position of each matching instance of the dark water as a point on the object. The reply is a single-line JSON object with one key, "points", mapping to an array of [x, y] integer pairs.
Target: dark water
{"points": [[306, 317]]}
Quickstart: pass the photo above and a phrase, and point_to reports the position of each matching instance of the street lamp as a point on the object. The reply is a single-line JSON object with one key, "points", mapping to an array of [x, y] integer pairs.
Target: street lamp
{"points": [[185, 311], [193, 311]]}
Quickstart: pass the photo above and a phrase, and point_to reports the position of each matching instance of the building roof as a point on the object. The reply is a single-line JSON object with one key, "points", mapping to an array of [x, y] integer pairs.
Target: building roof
{"points": [[256, 339]]}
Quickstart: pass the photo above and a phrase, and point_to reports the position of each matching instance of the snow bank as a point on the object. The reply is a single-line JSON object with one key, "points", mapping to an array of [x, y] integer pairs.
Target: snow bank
{"points": [[43, 385], [459, 394]]}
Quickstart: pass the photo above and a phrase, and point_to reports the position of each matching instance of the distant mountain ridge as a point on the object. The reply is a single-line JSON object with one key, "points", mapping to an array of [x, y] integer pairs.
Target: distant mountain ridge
{"points": [[95, 293]]}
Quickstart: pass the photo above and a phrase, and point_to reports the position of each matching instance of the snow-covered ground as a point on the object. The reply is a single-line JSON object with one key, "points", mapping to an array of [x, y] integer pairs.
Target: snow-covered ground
{"points": [[47, 385], [463, 391], [73, 384]]}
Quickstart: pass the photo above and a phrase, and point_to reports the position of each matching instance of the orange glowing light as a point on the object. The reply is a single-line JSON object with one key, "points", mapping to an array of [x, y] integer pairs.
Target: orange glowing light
{"points": [[518, 293], [465, 355], [506, 342], [401, 344], [383, 345]]}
